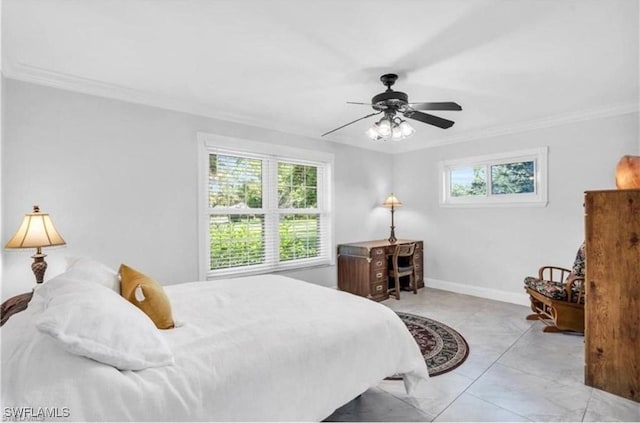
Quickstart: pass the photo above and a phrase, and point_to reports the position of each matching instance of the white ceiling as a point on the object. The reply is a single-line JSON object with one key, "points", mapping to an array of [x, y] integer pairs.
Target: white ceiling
{"points": [[291, 65]]}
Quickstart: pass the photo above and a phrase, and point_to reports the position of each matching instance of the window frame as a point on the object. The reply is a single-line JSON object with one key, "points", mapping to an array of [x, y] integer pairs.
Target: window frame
{"points": [[536, 199], [271, 154]]}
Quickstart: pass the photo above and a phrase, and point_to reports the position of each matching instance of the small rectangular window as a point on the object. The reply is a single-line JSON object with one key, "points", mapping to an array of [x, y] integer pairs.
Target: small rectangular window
{"points": [[518, 178], [513, 178], [468, 181]]}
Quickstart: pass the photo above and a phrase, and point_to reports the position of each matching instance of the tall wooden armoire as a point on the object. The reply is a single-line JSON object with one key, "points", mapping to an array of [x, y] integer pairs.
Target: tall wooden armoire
{"points": [[612, 306]]}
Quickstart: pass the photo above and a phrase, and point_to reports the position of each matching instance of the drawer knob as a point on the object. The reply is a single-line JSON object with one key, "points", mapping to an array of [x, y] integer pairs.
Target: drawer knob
{"points": [[379, 288], [379, 275]]}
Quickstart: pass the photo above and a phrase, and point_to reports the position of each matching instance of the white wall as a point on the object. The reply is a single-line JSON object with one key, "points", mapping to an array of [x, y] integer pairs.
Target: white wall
{"points": [[488, 251], [120, 181]]}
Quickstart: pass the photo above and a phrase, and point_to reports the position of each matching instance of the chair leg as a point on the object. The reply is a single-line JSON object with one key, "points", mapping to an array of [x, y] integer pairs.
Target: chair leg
{"points": [[414, 283], [397, 281], [537, 317]]}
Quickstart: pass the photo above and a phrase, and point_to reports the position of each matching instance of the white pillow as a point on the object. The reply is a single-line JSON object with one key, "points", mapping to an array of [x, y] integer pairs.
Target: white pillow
{"points": [[95, 322], [84, 269]]}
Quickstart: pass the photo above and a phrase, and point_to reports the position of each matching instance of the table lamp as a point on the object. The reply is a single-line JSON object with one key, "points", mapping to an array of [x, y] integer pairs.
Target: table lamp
{"points": [[36, 231], [392, 202]]}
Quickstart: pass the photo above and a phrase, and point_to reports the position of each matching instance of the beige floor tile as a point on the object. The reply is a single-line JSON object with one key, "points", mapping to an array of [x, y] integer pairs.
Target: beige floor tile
{"points": [[377, 406], [606, 407], [532, 396], [441, 391], [481, 358], [469, 408], [555, 356]]}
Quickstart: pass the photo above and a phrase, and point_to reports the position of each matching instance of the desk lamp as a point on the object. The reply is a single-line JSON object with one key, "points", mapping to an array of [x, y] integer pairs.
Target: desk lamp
{"points": [[392, 202], [36, 231]]}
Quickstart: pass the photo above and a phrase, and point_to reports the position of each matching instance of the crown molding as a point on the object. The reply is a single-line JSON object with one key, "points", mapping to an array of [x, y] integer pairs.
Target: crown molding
{"points": [[69, 82], [533, 125], [74, 83]]}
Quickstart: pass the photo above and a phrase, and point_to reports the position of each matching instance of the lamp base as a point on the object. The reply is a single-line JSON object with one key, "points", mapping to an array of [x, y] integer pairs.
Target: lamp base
{"points": [[39, 266], [392, 237]]}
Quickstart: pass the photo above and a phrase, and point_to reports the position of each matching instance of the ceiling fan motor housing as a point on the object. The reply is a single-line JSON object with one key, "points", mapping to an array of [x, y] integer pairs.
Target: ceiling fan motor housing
{"points": [[389, 100]]}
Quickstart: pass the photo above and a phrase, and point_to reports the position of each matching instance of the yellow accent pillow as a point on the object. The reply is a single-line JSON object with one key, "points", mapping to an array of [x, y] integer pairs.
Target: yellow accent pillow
{"points": [[146, 294]]}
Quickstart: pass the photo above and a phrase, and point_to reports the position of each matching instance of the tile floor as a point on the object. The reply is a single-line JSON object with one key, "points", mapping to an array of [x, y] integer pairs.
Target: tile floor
{"points": [[514, 371]]}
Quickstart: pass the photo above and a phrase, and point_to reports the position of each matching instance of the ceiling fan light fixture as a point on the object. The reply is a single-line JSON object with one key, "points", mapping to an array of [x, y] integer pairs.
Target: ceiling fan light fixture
{"points": [[406, 129], [390, 128], [396, 134], [373, 133], [384, 127]]}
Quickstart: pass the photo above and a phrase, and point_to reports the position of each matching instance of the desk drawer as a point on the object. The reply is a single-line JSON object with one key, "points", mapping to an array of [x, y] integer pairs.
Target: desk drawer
{"points": [[378, 275], [378, 291], [379, 263], [378, 253], [417, 264]]}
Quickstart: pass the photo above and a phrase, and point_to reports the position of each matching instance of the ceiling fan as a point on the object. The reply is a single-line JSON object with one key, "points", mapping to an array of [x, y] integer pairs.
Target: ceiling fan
{"points": [[394, 103]]}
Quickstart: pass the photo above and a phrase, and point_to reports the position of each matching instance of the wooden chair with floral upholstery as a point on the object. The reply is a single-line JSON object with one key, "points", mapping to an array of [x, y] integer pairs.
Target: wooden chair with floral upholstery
{"points": [[557, 296]]}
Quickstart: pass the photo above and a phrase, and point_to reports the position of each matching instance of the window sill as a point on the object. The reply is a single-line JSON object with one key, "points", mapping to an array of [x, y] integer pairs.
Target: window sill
{"points": [[531, 203], [260, 270]]}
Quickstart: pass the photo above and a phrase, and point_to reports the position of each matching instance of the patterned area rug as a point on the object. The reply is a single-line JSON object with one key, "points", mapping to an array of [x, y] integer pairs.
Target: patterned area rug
{"points": [[443, 348]]}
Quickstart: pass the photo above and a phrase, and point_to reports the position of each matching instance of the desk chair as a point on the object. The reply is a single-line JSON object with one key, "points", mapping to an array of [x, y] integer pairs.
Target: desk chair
{"points": [[402, 265]]}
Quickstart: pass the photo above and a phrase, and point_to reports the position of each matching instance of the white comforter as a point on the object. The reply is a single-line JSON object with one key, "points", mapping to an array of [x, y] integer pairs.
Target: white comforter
{"points": [[258, 348]]}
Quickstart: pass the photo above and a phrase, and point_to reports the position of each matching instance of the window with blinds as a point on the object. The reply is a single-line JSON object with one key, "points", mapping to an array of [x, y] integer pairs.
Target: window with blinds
{"points": [[266, 212]]}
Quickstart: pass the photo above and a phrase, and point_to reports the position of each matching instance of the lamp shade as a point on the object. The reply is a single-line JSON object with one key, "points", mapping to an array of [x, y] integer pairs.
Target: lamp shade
{"points": [[36, 231], [392, 201]]}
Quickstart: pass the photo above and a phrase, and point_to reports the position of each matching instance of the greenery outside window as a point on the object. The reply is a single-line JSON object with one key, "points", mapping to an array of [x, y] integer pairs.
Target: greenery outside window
{"points": [[263, 212], [510, 179]]}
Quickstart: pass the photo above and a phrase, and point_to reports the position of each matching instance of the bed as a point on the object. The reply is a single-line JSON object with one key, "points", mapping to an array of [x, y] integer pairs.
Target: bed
{"points": [[264, 347]]}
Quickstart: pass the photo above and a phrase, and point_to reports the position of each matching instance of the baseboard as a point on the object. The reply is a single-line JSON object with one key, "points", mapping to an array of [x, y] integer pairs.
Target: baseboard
{"points": [[478, 291]]}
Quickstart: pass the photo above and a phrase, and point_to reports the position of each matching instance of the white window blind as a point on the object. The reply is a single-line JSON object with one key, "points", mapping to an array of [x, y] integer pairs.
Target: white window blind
{"points": [[265, 212]]}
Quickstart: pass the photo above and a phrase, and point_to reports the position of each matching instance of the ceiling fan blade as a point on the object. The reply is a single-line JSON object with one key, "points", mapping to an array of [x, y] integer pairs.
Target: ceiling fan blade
{"points": [[430, 119], [347, 124], [363, 104], [445, 105]]}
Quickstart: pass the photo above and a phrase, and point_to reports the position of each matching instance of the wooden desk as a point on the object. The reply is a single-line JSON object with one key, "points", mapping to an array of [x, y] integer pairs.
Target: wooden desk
{"points": [[363, 267]]}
